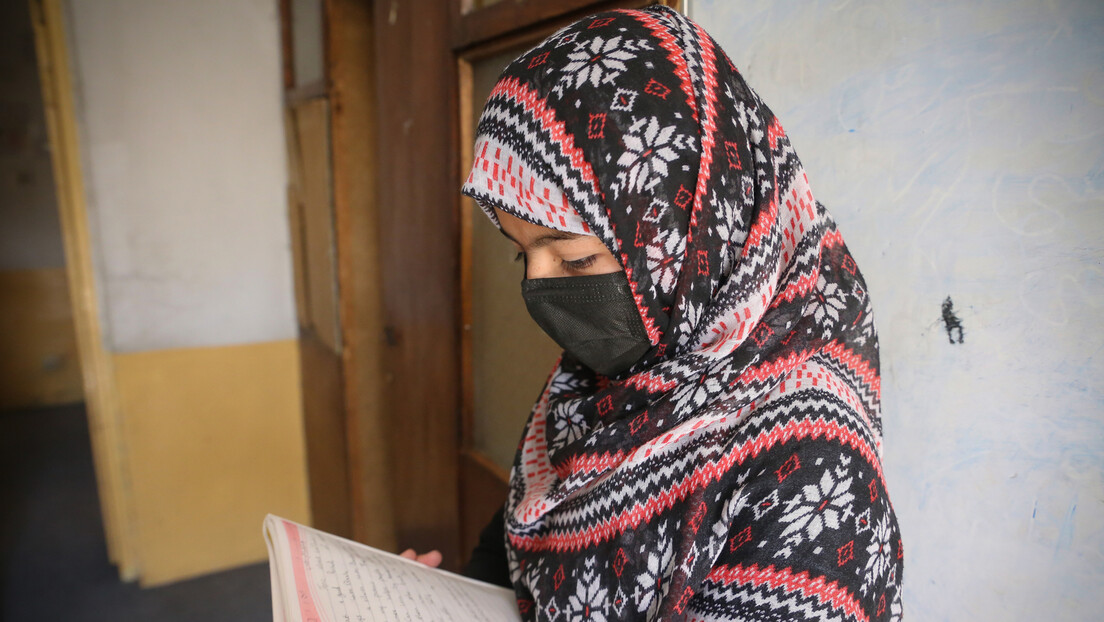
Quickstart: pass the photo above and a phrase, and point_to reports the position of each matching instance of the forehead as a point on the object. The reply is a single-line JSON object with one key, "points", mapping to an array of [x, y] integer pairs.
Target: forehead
{"points": [[518, 228]]}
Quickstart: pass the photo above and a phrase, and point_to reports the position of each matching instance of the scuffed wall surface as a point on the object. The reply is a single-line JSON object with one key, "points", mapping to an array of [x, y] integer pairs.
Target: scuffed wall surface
{"points": [[961, 147], [180, 108]]}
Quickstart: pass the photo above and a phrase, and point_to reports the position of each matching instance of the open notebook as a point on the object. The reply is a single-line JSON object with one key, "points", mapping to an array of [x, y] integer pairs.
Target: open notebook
{"points": [[320, 577]]}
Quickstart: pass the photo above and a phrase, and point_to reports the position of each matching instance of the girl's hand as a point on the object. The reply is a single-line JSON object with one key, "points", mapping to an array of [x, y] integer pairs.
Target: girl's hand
{"points": [[431, 559]]}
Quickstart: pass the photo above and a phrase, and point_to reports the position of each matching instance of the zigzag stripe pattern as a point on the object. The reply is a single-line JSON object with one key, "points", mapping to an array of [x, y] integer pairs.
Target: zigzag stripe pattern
{"points": [[734, 472], [803, 596], [646, 489], [859, 374]]}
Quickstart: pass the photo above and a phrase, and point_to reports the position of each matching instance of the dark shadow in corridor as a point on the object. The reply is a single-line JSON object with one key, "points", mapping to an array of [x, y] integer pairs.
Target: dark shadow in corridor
{"points": [[53, 559]]}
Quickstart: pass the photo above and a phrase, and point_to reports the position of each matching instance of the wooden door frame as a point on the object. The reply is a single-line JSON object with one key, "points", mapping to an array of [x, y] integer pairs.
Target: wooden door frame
{"points": [[423, 51], [97, 372], [348, 452], [419, 267], [351, 83]]}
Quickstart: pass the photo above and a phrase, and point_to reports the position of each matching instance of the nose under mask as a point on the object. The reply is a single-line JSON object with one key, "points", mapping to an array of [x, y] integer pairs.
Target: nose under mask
{"points": [[592, 317]]}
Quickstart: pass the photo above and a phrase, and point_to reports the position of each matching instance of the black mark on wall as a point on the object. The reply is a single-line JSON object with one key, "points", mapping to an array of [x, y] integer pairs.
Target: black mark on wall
{"points": [[951, 321]]}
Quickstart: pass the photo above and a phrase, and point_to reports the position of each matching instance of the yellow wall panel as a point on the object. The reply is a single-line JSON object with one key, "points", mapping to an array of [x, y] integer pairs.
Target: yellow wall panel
{"points": [[215, 441], [38, 350]]}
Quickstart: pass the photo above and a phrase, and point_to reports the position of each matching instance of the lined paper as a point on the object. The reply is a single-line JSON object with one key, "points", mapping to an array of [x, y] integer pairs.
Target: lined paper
{"points": [[338, 580]]}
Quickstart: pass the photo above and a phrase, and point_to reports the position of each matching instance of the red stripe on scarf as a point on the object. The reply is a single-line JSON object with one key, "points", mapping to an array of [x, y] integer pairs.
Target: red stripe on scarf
{"points": [[826, 593], [702, 476], [857, 364], [674, 54], [709, 128]]}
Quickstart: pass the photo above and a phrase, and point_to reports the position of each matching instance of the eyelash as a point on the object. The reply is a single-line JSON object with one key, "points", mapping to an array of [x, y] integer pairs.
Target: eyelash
{"points": [[582, 264], [578, 264]]}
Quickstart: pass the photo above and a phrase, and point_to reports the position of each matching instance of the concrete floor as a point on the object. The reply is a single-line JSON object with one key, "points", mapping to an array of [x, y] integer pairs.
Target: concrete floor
{"points": [[53, 559]]}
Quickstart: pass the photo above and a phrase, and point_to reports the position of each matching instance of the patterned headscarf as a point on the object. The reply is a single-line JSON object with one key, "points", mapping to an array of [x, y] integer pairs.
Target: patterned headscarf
{"points": [[735, 471]]}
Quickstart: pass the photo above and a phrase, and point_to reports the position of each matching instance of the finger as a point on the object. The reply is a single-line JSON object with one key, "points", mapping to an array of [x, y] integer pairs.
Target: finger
{"points": [[409, 554], [431, 559]]}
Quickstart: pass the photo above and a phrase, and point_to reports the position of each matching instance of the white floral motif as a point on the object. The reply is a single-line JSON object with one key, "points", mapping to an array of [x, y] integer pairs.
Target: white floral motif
{"points": [[879, 550], [895, 608], [866, 326], [590, 598], [568, 423], [817, 507], [566, 383], [649, 148], [728, 216], [653, 583], [689, 396], [529, 577], [828, 301], [599, 60], [729, 228], [690, 331], [723, 524], [663, 255]]}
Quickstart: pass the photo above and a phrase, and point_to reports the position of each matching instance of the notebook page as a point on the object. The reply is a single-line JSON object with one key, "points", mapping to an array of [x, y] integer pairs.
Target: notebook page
{"points": [[349, 581], [278, 563]]}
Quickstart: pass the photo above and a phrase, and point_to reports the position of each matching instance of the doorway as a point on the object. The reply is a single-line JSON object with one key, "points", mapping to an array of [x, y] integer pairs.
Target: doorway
{"points": [[461, 367]]}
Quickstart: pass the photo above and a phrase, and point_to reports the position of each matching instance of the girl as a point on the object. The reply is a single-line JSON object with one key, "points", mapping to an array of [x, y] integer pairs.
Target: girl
{"points": [[708, 446]]}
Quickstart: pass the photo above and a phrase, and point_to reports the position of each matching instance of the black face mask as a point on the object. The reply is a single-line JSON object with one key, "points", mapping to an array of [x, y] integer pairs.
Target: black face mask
{"points": [[592, 317]]}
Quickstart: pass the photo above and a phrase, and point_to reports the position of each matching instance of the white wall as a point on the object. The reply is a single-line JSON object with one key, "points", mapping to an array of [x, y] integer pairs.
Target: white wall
{"points": [[960, 145], [180, 107]]}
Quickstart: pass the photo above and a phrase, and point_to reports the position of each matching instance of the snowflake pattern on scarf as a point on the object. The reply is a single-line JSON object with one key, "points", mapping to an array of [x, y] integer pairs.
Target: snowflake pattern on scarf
{"points": [[734, 472], [824, 505], [649, 149], [599, 61]]}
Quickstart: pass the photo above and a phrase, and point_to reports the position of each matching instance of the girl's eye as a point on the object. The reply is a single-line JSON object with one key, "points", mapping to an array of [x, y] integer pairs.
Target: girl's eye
{"points": [[582, 264]]}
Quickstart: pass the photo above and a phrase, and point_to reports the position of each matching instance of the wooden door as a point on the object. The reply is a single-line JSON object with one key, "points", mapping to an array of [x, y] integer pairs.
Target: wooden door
{"points": [[464, 361], [314, 256], [330, 98]]}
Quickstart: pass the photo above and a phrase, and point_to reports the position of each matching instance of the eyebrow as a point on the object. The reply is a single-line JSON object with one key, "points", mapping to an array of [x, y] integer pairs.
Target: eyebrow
{"points": [[546, 239]]}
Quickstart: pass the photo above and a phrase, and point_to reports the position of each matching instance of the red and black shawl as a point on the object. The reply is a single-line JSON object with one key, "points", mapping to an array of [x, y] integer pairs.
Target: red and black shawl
{"points": [[735, 472]]}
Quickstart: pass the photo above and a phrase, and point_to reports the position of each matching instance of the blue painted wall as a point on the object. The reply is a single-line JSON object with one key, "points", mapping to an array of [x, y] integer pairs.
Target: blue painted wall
{"points": [[960, 145]]}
